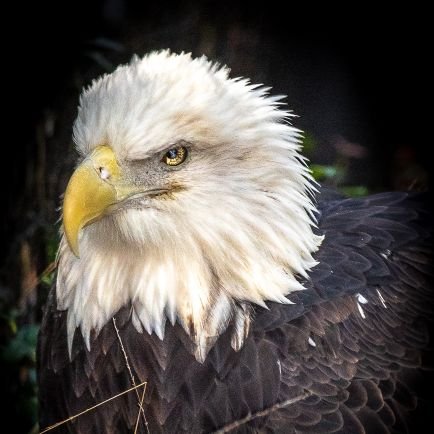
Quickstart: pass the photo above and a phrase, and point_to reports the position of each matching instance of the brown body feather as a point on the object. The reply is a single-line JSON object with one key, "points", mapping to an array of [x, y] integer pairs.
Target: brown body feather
{"points": [[343, 359]]}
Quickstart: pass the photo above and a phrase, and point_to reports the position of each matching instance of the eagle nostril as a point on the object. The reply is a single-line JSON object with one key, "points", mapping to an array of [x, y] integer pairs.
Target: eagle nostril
{"points": [[103, 173]]}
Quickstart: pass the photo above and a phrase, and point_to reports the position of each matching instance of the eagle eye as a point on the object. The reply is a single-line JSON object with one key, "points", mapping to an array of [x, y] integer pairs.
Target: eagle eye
{"points": [[175, 156]]}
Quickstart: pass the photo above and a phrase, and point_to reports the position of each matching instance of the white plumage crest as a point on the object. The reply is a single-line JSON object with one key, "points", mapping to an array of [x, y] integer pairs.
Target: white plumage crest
{"points": [[240, 229]]}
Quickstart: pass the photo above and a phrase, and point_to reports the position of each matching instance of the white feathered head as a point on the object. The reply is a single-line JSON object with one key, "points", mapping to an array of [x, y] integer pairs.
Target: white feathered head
{"points": [[191, 201]]}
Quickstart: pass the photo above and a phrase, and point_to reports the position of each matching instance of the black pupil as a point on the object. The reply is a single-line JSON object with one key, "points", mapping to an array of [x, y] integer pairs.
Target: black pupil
{"points": [[172, 153]]}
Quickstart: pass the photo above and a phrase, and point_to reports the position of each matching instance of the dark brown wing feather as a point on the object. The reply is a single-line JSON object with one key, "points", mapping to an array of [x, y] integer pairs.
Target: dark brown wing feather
{"points": [[343, 359]]}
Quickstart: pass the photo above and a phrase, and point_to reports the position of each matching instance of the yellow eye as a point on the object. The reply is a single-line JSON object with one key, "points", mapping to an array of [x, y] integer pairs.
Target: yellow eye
{"points": [[175, 156]]}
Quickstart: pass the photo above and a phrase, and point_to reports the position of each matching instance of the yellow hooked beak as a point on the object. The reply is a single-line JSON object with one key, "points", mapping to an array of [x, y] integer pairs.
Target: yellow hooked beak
{"points": [[94, 186]]}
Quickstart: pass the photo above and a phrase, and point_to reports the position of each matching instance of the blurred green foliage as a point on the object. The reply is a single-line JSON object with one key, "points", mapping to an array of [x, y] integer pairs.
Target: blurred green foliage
{"points": [[333, 175], [18, 360], [326, 173], [19, 334], [23, 345]]}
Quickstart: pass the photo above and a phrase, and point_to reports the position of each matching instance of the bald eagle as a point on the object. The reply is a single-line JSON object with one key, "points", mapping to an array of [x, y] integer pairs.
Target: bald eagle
{"points": [[201, 262]]}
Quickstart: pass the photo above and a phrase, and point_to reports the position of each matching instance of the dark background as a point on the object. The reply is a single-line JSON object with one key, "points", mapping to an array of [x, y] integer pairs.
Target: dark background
{"points": [[355, 76]]}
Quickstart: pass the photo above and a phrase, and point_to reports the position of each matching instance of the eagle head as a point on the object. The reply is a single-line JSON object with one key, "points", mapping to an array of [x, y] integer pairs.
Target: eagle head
{"points": [[190, 202]]}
